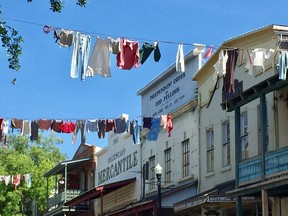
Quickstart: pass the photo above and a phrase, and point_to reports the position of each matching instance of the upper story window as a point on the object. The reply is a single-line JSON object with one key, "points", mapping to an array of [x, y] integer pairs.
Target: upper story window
{"points": [[168, 171], [210, 149], [152, 172], [186, 157], [226, 159], [244, 135]]}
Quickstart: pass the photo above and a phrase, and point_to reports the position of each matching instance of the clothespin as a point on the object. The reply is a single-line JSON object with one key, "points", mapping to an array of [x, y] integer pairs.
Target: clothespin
{"points": [[14, 81], [46, 29], [156, 43], [56, 35]]}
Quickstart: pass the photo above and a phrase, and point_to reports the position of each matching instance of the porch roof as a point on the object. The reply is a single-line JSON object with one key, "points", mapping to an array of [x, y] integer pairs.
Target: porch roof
{"points": [[71, 165], [216, 194], [275, 186], [271, 84]]}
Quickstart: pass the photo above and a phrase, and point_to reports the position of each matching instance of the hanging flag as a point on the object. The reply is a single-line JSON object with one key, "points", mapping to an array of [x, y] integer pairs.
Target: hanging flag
{"points": [[208, 52]]}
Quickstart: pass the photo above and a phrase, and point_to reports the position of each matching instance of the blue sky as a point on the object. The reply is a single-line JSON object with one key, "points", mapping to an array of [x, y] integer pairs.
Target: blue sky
{"points": [[44, 88]]}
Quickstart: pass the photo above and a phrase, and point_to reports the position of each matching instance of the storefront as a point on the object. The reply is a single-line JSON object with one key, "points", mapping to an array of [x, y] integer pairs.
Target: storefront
{"points": [[98, 193], [216, 202]]}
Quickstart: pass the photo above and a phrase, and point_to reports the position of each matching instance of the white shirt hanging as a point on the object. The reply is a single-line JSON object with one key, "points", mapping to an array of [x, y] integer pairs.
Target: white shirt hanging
{"points": [[180, 63], [257, 58], [220, 66]]}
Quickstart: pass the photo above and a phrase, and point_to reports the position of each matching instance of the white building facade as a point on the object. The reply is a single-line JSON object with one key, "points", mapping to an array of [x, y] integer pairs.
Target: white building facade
{"points": [[227, 153], [243, 151], [172, 93], [118, 174]]}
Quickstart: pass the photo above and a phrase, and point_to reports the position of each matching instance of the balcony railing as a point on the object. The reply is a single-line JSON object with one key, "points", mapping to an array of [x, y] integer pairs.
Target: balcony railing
{"points": [[57, 201], [276, 164]]}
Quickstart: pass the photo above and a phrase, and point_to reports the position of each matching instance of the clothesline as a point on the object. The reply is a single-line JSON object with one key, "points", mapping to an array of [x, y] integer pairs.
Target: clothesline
{"points": [[66, 119], [128, 53], [96, 34], [119, 125]]}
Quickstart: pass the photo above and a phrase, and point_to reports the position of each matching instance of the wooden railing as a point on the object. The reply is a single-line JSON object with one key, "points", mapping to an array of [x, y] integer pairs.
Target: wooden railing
{"points": [[276, 164], [57, 201]]}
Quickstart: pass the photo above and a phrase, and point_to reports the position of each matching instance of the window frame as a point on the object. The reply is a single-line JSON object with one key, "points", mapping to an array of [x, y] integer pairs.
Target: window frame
{"points": [[244, 135], [152, 177], [226, 146], [210, 149], [168, 162], [185, 157]]}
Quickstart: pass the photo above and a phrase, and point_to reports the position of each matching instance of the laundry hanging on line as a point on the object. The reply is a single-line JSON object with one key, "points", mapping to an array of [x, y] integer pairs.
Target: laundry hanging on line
{"points": [[100, 126], [128, 53], [155, 123], [16, 179], [228, 59]]}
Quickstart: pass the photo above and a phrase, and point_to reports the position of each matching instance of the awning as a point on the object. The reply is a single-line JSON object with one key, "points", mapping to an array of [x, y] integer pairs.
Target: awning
{"points": [[222, 199], [218, 195], [275, 187], [71, 165], [136, 207], [98, 191]]}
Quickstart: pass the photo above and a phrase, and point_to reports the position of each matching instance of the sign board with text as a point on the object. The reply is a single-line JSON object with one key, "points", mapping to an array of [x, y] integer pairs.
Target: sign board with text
{"points": [[170, 91]]}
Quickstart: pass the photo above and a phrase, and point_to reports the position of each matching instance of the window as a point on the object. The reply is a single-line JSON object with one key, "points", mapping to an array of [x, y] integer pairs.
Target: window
{"points": [[244, 135], [167, 165], [152, 172], [210, 150], [186, 158], [226, 160]]}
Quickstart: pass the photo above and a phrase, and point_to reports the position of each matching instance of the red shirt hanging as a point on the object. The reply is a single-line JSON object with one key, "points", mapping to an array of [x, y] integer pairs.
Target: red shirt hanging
{"points": [[67, 127], [169, 124], [128, 55]]}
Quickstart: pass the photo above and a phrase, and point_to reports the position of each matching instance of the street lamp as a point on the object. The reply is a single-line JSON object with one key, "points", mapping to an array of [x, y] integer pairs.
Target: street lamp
{"points": [[158, 171], [61, 181]]}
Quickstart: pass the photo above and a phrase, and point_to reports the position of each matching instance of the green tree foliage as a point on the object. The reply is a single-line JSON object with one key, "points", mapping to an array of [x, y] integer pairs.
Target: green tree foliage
{"points": [[20, 156], [58, 5], [11, 40]]}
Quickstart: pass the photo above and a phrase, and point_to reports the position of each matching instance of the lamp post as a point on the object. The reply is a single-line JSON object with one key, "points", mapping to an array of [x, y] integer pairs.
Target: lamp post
{"points": [[158, 171]]}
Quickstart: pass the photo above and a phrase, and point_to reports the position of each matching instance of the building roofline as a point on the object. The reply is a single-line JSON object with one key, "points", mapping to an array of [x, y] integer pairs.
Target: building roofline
{"points": [[101, 151], [237, 39], [164, 74], [70, 164]]}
